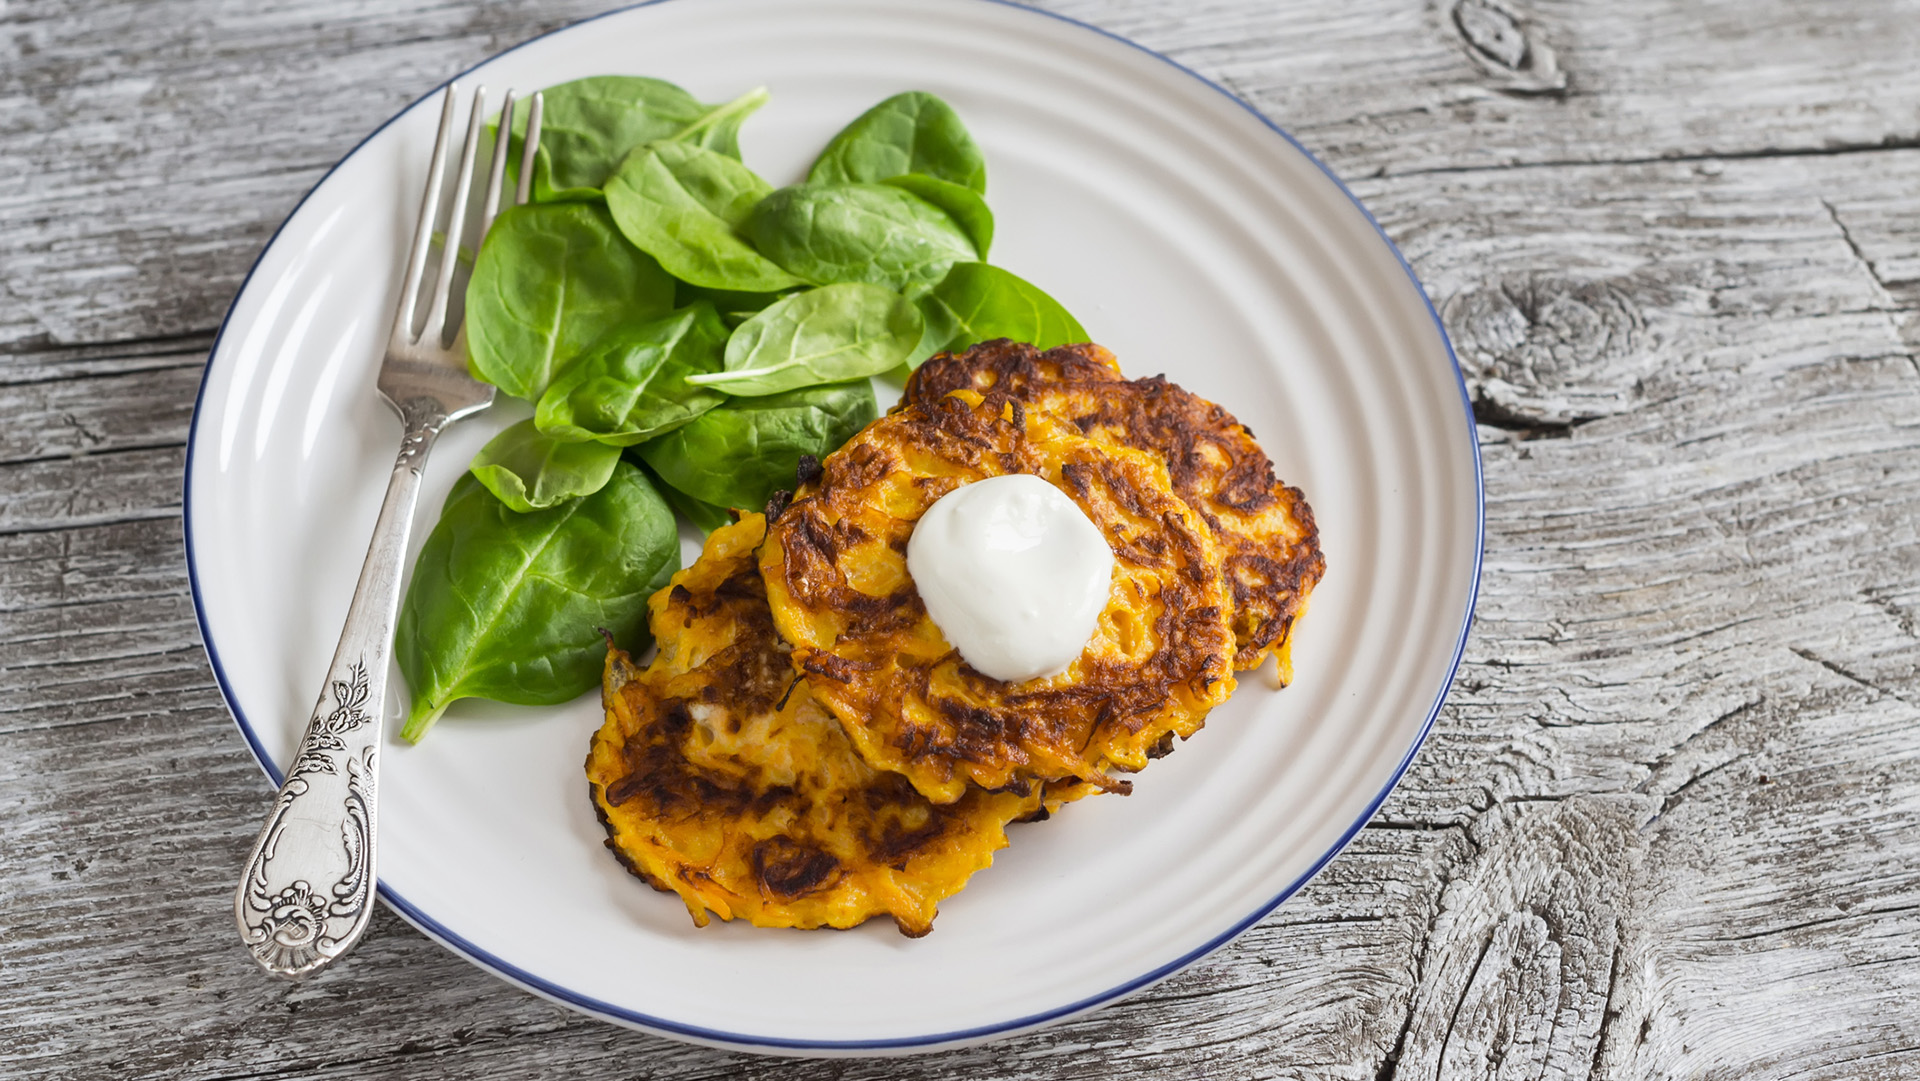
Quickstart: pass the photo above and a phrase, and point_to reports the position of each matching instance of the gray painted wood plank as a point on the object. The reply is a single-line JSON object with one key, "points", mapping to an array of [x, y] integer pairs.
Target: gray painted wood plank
{"points": [[125, 229], [94, 489], [1702, 516], [100, 565], [141, 409], [50, 363], [1665, 827], [1495, 83]]}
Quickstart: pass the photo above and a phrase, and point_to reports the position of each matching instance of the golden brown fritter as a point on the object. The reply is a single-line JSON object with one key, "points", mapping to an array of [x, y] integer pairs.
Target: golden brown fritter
{"points": [[836, 573], [720, 777], [1264, 527]]}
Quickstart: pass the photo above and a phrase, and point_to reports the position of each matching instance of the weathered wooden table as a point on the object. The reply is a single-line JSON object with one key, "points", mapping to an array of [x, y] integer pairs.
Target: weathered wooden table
{"points": [[1669, 825]]}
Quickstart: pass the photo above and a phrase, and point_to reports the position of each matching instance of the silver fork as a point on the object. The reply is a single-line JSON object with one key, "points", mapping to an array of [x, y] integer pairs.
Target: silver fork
{"points": [[307, 893]]}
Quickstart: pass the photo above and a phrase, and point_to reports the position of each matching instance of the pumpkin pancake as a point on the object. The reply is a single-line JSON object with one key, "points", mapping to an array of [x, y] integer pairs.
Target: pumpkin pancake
{"points": [[836, 574], [719, 776], [1265, 529]]}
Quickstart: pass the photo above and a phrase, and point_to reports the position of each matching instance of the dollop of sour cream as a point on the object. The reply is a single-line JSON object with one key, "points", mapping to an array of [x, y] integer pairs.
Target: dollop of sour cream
{"points": [[1014, 573]]}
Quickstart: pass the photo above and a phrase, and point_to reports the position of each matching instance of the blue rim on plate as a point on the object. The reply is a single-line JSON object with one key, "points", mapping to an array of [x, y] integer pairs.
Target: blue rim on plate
{"points": [[513, 974]]}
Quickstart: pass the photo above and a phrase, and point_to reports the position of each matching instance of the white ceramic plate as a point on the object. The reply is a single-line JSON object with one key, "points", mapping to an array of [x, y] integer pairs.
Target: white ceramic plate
{"points": [[1186, 233]]}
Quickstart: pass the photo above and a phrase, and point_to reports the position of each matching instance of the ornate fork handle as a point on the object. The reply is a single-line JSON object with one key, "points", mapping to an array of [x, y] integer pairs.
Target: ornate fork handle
{"points": [[307, 893]]}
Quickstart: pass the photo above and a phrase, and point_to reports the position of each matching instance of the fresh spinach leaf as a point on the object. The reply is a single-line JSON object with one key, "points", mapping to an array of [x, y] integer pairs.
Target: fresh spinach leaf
{"points": [[508, 606], [529, 470], [588, 125], [741, 453], [976, 303], [705, 516], [723, 300], [914, 132], [734, 307], [872, 233], [632, 384], [825, 335], [549, 280], [964, 205], [683, 204]]}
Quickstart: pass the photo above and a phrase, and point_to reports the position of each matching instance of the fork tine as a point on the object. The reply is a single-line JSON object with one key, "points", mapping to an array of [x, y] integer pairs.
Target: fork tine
{"points": [[436, 326], [497, 171], [495, 177], [423, 232], [530, 149]]}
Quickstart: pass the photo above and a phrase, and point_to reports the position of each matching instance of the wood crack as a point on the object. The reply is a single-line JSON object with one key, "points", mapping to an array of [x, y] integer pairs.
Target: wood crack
{"points": [[411, 1050], [1887, 145], [1211, 991], [1854, 245], [1445, 872], [1661, 762], [186, 341], [1607, 1012], [104, 452], [1329, 921], [1908, 1050], [164, 362], [87, 662], [82, 723], [1827, 921], [1522, 426], [1679, 795], [171, 510], [1390, 1066], [1460, 1001], [1411, 826], [170, 591], [1535, 797], [1849, 676], [1882, 287]]}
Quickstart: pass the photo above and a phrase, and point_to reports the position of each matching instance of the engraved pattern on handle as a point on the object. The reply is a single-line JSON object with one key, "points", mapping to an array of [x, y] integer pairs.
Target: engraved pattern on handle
{"points": [[307, 893]]}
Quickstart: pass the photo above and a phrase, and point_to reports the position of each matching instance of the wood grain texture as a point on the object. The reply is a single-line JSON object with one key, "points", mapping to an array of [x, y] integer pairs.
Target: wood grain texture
{"points": [[1666, 827]]}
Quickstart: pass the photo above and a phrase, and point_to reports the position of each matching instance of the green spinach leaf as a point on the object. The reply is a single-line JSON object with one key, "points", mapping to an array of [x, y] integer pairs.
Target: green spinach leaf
{"points": [[549, 280], [508, 606], [825, 335], [741, 453], [683, 205], [632, 384], [723, 300], [914, 132], [705, 516], [588, 125], [873, 233], [964, 205], [976, 303], [734, 307], [529, 470]]}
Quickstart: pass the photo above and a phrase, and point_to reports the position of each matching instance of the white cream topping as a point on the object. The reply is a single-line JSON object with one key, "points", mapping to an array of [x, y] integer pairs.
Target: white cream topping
{"points": [[1014, 573]]}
